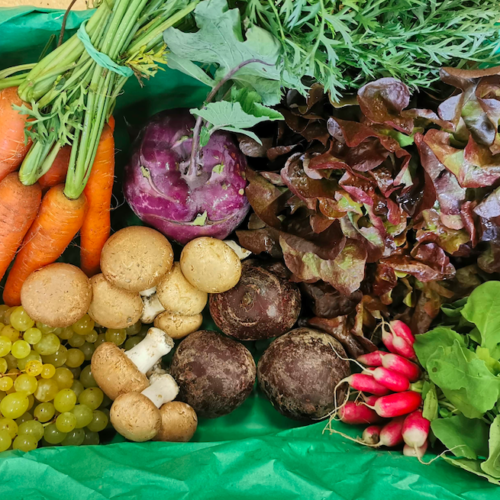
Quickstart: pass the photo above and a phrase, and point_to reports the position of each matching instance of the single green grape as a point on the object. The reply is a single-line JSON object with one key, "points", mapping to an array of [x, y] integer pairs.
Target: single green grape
{"points": [[46, 390], [9, 425], [87, 350], [44, 412], [26, 383], [65, 333], [118, 337], [91, 337], [132, 342], [5, 440], [63, 377], [84, 415], [32, 356], [58, 358], [32, 428], [48, 345], [34, 367], [44, 328], [91, 438], [64, 401], [31, 401], [3, 366], [20, 349], [107, 413], [10, 332], [101, 338], [77, 387], [134, 329], [86, 378], [3, 309], [7, 314], [91, 397], [25, 442], [5, 345], [76, 341], [27, 416], [75, 358], [6, 383], [32, 336], [84, 325], [74, 438], [66, 422], [20, 320], [48, 371], [99, 421], [14, 405], [53, 435]]}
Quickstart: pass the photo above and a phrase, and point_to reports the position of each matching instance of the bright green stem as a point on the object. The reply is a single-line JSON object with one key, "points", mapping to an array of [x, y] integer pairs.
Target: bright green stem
{"points": [[16, 69], [158, 31], [28, 174], [13, 81]]}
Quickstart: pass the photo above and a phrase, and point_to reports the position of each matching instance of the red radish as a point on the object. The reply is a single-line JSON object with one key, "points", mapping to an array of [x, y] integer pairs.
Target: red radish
{"points": [[371, 435], [416, 429], [387, 339], [392, 380], [369, 370], [403, 348], [391, 433], [402, 330], [397, 404], [357, 413], [365, 383], [408, 451], [401, 365], [372, 358], [370, 400]]}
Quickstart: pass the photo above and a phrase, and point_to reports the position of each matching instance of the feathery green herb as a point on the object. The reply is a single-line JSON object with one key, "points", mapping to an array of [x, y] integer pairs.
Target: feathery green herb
{"points": [[343, 44]]}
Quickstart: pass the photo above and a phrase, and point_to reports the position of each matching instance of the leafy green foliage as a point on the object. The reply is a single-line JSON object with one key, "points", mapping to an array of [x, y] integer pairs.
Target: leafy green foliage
{"points": [[465, 437], [344, 44], [492, 465]]}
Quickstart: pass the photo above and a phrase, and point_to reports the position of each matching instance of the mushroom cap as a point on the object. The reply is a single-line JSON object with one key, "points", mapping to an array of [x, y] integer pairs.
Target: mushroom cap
{"points": [[135, 417], [177, 326], [57, 295], [115, 373], [210, 265], [136, 258], [178, 296], [178, 422], [113, 307]]}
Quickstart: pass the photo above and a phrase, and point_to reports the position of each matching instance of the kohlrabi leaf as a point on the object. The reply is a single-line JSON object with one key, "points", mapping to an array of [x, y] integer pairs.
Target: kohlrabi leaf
{"points": [[464, 437], [456, 369], [492, 465], [189, 68], [473, 466], [220, 41], [483, 310]]}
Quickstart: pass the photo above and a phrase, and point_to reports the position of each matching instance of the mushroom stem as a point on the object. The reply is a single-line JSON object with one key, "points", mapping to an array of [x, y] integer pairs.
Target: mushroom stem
{"points": [[152, 306], [156, 344], [163, 389]]}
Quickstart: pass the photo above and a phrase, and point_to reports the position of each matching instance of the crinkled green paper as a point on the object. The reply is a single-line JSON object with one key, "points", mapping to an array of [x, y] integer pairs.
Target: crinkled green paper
{"points": [[252, 453]]}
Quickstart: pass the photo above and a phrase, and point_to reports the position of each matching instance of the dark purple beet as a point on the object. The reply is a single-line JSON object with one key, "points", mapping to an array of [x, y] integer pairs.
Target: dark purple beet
{"points": [[215, 374], [261, 306], [299, 371], [164, 195]]}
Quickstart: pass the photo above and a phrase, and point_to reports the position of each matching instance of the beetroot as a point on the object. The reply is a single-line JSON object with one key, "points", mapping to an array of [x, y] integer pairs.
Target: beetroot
{"points": [[182, 205], [215, 374], [262, 305], [299, 371]]}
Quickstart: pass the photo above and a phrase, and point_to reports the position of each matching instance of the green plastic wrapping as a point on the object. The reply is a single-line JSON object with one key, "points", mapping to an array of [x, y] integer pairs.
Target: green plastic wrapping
{"points": [[252, 453]]}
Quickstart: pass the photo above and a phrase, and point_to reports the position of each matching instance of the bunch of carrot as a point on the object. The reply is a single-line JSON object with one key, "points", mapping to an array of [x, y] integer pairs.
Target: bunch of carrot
{"points": [[385, 393], [40, 228]]}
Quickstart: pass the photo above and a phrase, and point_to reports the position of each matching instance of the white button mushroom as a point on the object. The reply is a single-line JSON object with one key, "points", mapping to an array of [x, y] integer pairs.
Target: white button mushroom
{"points": [[136, 416], [118, 372]]}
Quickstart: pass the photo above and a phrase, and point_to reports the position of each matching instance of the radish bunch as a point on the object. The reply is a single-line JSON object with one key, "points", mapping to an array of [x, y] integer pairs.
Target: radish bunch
{"points": [[385, 390]]}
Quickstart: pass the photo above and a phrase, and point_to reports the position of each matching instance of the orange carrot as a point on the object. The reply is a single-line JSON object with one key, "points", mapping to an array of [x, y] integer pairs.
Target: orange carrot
{"points": [[97, 225], [18, 208], [57, 223], [112, 123], [57, 173], [12, 146]]}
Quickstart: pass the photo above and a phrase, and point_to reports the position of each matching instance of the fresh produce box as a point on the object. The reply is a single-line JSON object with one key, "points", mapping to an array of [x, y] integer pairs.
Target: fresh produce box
{"points": [[250, 250]]}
